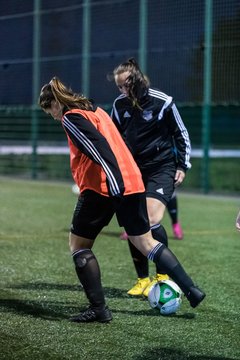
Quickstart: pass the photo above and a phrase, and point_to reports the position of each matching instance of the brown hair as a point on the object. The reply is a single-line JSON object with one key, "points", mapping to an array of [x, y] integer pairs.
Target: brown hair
{"points": [[56, 90], [138, 83]]}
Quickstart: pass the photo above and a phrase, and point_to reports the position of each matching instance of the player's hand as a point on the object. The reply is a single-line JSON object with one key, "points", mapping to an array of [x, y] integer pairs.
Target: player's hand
{"points": [[179, 177]]}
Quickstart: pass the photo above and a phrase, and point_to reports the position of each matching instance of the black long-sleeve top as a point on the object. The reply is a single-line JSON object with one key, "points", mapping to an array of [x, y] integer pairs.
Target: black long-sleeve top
{"points": [[156, 134]]}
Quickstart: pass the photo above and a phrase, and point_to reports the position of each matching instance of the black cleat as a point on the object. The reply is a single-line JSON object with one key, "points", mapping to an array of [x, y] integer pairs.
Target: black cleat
{"points": [[91, 314], [195, 296]]}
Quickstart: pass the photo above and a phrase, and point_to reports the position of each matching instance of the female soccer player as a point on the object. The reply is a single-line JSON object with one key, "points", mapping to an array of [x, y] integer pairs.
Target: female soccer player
{"points": [[158, 140], [109, 181]]}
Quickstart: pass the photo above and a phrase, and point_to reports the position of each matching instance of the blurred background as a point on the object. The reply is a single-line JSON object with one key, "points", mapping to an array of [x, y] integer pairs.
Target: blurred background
{"points": [[190, 49]]}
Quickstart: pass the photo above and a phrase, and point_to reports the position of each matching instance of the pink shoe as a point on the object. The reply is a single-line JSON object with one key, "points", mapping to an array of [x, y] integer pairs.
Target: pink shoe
{"points": [[123, 236], [177, 231]]}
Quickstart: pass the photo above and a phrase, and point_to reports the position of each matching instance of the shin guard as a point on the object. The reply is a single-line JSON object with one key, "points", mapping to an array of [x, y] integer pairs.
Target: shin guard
{"points": [[89, 275]]}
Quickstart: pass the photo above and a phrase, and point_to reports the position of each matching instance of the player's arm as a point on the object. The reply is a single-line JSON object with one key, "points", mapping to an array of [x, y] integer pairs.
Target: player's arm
{"points": [[115, 118], [94, 145], [181, 138], [117, 114]]}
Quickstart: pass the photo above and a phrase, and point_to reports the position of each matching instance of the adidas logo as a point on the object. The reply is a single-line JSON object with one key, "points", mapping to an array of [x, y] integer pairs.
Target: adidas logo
{"points": [[160, 191], [126, 114]]}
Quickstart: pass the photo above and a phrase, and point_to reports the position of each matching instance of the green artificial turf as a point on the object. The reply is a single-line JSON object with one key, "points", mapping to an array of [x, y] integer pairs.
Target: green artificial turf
{"points": [[39, 289]]}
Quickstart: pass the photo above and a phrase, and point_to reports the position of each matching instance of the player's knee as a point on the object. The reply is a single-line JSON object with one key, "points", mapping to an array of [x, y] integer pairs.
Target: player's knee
{"points": [[155, 217], [74, 242], [71, 242], [78, 242], [155, 220], [156, 210]]}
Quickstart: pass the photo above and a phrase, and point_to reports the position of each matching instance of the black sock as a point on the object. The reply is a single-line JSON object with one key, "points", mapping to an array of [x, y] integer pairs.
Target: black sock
{"points": [[159, 234], [89, 275], [173, 209], [140, 261], [168, 261]]}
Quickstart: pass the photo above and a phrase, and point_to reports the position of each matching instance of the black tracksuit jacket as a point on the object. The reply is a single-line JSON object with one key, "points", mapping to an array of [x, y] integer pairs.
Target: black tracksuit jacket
{"points": [[156, 134]]}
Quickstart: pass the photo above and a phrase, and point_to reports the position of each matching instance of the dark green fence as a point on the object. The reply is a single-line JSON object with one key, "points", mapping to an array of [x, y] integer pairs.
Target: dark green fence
{"points": [[190, 51], [44, 155]]}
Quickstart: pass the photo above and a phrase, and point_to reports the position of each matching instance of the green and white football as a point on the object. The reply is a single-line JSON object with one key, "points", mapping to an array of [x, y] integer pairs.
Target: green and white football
{"points": [[166, 296]]}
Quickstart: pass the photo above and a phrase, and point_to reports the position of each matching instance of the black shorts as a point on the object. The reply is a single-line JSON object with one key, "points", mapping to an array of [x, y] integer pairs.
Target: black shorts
{"points": [[159, 182], [94, 211]]}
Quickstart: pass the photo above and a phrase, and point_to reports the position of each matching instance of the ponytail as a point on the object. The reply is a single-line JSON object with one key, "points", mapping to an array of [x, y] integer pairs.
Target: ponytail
{"points": [[56, 90]]}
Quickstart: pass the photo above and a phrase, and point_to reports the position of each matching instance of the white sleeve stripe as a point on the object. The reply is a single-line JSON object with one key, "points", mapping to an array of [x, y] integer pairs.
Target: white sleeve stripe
{"points": [[160, 95], [94, 152], [114, 109], [167, 103], [184, 135]]}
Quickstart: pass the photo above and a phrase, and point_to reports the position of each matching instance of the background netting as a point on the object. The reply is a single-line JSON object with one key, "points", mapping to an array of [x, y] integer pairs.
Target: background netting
{"points": [[174, 44], [82, 41]]}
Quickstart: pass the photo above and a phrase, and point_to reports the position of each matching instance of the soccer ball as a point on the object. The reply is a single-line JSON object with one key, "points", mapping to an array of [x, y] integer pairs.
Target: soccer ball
{"points": [[166, 296]]}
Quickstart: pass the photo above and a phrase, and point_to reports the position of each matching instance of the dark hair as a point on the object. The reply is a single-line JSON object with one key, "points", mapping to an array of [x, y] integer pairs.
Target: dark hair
{"points": [[138, 83], [56, 90]]}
